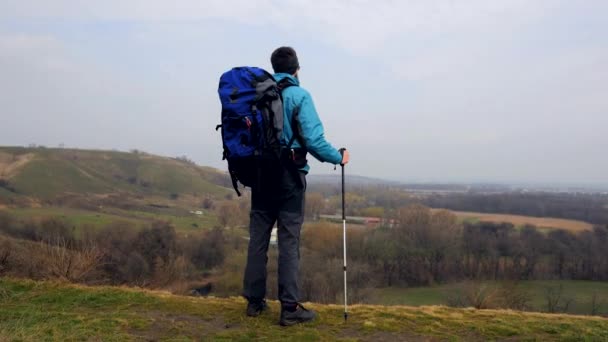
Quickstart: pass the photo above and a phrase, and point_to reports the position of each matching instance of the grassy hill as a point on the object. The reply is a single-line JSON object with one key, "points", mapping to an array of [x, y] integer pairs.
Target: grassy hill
{"points": [[95, 188], [40, 311], [44, 174]]}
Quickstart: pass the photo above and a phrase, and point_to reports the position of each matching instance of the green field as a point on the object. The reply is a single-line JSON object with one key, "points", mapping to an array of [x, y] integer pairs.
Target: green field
{"points": [[79, 218], [49, 311], [186, 221], [74, 217], [580, 292]]}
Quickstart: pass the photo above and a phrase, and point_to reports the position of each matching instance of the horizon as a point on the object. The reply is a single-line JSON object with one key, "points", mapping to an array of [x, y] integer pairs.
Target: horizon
{"points": [[500, 92], [334, 173]]}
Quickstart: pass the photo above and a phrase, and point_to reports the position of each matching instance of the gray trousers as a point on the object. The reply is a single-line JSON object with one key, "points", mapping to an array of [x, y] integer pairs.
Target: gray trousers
{"points": [[278, 196]]}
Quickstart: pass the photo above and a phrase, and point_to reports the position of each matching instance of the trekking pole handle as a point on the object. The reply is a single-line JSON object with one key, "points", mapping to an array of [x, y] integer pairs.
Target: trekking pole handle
{"points": [[341, 150]]}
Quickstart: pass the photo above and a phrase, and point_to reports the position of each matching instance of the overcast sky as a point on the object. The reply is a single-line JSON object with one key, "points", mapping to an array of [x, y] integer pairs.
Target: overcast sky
{"points": [[426, 90]]}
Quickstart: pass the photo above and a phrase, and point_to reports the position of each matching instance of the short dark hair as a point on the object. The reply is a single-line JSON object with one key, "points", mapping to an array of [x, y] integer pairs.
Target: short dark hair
{"points": [[284, 59]]}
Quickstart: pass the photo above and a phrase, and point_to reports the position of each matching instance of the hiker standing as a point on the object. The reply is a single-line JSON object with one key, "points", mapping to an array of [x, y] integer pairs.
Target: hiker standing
{"points": [[278, 195]]}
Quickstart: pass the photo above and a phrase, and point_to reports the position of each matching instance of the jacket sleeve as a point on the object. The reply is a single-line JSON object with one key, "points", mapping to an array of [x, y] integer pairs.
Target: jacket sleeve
{"points": [[312, 133]]}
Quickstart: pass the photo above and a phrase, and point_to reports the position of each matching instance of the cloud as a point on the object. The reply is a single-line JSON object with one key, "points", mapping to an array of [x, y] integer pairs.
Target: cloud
{"points": [[407, 36], [49, 95], [39, 50], [359, 25]]}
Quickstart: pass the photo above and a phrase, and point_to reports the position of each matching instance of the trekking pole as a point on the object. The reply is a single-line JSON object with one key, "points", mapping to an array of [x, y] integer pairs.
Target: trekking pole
{"points": [[344, 238]]}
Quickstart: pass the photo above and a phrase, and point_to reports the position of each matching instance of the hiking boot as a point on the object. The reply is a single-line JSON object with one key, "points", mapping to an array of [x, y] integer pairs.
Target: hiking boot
{"points": [[254, 309], [300, 315]]}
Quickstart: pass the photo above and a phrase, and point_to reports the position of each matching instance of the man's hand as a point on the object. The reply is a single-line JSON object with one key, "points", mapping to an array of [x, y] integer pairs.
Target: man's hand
{"points": [[345, 156]]}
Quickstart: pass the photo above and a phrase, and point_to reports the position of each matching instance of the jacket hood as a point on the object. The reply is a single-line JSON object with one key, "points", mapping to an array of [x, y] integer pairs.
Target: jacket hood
{"points": [[280, 76]]}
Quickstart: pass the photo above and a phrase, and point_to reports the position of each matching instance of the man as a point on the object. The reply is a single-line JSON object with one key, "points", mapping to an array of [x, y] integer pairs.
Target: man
{"points": [[279, 195]]}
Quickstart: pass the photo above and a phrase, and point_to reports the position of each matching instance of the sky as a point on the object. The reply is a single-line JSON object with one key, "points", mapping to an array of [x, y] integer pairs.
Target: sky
{"points": [[419, 90]]}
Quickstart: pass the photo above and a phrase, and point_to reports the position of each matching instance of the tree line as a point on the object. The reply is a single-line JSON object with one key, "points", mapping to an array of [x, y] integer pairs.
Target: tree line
{"points": [[592, 208], [121, 253]]}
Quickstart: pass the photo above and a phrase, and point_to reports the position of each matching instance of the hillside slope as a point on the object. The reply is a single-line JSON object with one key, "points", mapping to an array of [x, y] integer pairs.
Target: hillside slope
{"points": [[51, 311], [47, 174]]}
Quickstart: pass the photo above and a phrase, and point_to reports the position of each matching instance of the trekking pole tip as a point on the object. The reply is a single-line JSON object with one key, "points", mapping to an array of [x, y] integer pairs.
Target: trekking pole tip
{"points": [[345, 317]]}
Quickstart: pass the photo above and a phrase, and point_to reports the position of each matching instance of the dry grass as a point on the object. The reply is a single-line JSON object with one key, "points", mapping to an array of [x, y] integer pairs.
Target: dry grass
{"points": [[518, 220]]}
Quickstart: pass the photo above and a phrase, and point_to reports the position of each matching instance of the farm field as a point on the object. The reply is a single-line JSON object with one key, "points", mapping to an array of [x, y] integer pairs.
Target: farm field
{"points": [[519, 221]]}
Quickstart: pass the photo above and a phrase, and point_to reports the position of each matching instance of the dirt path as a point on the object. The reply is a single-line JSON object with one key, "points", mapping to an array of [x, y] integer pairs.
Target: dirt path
{"points": [[9, 164]]}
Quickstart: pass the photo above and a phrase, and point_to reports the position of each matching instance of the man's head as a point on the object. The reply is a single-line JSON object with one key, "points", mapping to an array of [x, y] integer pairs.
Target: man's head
{"points": [[285, 60]]}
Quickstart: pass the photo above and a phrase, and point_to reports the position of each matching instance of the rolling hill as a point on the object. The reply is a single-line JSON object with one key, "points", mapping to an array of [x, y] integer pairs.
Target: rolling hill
{"points": [[41, 174], [35, 311]]}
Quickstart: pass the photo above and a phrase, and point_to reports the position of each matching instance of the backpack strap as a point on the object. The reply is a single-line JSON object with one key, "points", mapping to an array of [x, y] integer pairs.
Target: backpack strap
{"points": [[234, 183], [282, 85], [295, 129]]}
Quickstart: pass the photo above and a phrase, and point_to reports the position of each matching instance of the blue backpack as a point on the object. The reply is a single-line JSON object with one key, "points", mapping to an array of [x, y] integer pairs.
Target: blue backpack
{"points": [[252, 122]]}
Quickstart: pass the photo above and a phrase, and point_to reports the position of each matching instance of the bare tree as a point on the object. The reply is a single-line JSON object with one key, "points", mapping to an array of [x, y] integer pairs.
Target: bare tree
{"points": [[512, 296], [556, 302], [228, 213], [315, 202], [73, 265]]}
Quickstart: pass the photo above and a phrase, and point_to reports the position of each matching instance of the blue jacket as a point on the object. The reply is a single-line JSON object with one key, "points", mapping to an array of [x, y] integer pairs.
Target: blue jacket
{"points": [[311, 127]]}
